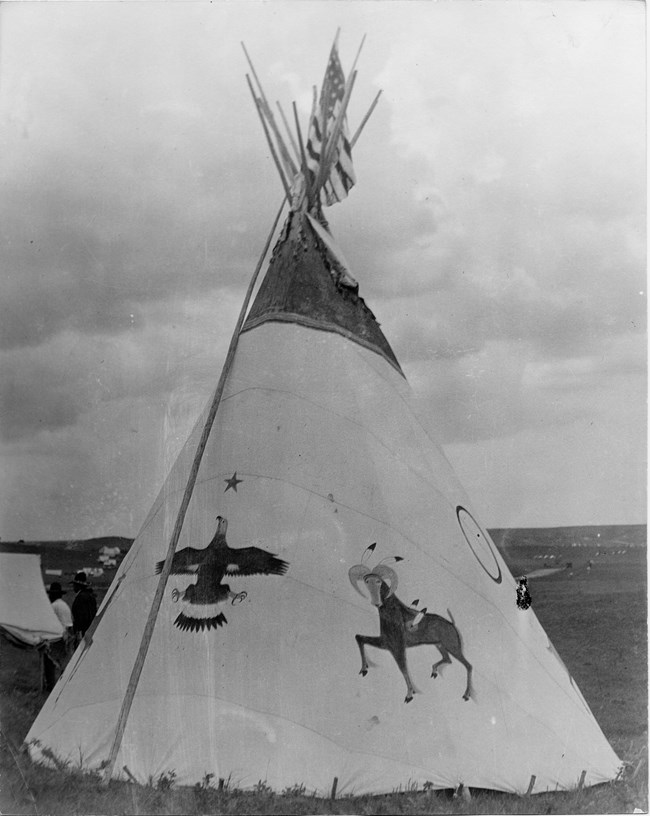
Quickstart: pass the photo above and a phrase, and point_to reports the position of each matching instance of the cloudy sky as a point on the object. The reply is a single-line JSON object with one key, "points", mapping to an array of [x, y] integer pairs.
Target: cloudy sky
{"points": [[497, 232]]}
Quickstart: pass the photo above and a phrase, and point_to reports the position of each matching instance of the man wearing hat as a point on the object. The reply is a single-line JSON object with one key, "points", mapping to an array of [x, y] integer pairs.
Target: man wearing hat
{"points": [[84, 606]]}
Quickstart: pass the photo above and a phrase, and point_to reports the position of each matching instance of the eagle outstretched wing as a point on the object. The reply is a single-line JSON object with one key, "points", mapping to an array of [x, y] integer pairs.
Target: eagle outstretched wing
{"points": [[254, 561], [185, 561]]}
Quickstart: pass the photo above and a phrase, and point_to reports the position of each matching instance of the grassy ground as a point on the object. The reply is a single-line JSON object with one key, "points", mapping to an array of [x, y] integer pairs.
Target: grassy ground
{"points": [[597, 620]]}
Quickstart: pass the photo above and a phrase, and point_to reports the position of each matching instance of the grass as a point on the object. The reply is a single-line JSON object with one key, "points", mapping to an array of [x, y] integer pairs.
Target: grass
{"points": [[597, 621], [73, 792]]}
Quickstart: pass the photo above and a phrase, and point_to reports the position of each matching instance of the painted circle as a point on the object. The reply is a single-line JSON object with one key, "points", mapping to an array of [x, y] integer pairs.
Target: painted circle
{"points": [[479, 544]]}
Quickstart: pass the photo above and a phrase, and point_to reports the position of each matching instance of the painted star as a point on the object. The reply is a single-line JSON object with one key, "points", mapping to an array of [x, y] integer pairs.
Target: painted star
{"points": [[232, 482]]}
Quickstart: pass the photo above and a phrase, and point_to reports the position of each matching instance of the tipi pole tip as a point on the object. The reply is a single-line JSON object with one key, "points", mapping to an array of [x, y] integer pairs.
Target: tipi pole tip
{"points": [[303, 154], [265, 108], [246, 52], [353, 141], [356, 59], [289, 133], [259, 107]]}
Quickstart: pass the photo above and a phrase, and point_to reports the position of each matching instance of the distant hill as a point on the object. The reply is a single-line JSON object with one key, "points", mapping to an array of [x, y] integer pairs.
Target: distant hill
{"points": [[60, 560], [613, 535], [524, 549], [88, 545]]}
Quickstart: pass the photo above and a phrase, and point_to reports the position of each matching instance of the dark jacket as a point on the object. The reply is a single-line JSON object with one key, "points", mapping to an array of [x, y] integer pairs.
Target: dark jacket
{"points": [[84, 609]]}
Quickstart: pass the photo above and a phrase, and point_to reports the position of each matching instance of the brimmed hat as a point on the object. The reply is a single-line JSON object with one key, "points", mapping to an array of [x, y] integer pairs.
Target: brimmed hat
{"points": [[81, 580], [56, 591]]}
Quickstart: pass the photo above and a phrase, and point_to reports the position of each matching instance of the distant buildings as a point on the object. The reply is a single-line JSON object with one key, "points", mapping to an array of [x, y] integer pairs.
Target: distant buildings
{"points": [[108, 556]]}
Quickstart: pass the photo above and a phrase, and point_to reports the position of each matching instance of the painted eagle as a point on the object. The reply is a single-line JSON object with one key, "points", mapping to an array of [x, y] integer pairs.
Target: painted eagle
{"points": [[210, 564]]}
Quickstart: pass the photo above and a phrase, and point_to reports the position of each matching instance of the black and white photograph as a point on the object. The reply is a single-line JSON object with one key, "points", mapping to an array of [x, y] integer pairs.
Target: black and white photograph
{"points": [[323, 337]]}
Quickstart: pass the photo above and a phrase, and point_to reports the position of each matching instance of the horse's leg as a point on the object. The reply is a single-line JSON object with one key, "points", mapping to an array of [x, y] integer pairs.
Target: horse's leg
{"points": [[468, 667], [445, 659], [367, 640]]}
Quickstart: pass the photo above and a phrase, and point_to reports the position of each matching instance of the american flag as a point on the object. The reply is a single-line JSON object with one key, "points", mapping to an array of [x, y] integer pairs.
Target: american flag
{"points": [[338, 177]]}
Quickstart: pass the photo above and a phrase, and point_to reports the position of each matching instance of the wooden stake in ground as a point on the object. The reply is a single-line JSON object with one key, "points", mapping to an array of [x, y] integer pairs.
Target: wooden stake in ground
{"points": [[187, 495]]}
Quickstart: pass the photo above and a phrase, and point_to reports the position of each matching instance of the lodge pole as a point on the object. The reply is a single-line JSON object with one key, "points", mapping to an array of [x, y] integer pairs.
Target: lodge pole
{"points": [[303, 155], [292, 141], [284, 153], [187, 495], [258, 108], [353, 140]]}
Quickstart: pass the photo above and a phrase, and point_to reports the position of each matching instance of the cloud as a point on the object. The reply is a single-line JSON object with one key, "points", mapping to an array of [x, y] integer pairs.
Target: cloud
{"points": [[85, 248], [497, 229], [501, 389], [620, 357], [74, 376], [121, 189], [475, 397]]}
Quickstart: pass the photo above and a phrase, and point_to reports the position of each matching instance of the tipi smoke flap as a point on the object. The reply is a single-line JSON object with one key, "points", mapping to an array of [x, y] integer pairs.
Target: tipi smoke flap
{"points": [[284, 646]]}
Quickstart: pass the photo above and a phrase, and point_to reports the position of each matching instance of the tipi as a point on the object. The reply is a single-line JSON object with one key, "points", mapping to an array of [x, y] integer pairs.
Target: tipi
{"points": [[26, 615], [308, 509]]}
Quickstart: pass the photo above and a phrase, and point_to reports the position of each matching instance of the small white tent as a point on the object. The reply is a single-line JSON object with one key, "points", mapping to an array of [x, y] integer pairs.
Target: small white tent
{"points": [[26, 614], [308, 510]]}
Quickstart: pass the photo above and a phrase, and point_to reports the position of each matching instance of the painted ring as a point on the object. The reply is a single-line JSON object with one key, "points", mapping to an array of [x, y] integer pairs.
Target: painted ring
{"points": [[479, 544]]}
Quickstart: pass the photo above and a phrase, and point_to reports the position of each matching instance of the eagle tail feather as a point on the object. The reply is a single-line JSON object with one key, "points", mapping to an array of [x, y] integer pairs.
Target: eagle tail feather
{"points": [[187, 623]]}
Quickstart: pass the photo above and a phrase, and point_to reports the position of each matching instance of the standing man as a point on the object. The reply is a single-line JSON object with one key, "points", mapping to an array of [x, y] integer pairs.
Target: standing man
{"points": [[84, 606], [56, 653], [60, 607]]}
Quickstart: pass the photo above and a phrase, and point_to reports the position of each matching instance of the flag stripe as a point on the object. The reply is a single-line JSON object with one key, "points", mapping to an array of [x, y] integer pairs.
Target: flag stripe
{"points": [[339, 176]]}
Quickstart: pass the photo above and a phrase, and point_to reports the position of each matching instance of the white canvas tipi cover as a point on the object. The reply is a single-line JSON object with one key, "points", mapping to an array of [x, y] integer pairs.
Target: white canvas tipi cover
{"points": [[26, 614], [315, 456], [325, 530]]}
